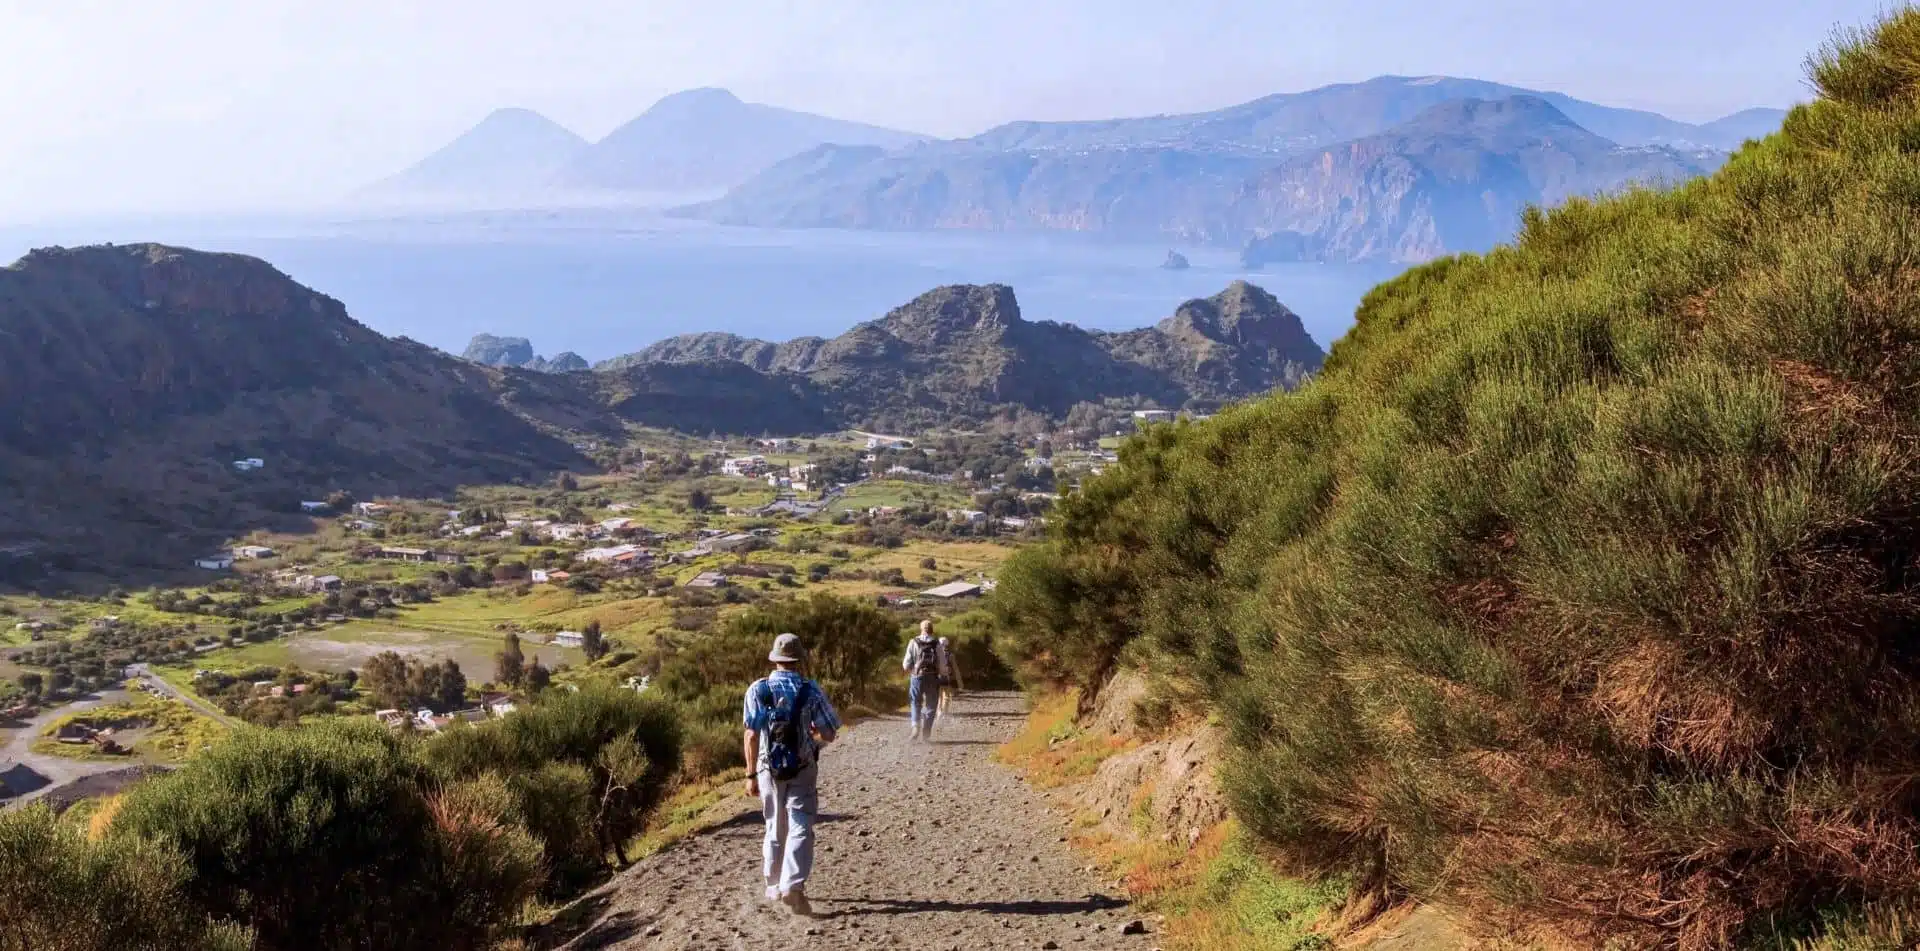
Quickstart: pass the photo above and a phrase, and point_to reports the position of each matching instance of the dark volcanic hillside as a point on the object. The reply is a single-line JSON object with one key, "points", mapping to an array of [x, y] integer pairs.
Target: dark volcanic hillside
{"points": [[965, 353], [136, 375]]}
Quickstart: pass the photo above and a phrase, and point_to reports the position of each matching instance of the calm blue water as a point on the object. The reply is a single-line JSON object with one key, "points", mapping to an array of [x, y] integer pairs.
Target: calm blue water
{"points": [[606, 283]]}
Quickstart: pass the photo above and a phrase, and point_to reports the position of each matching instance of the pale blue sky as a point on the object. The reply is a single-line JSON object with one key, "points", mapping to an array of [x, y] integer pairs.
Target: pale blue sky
{"points": [[117, 105]]}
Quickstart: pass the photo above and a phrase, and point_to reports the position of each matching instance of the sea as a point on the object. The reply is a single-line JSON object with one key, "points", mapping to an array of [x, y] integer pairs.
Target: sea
{"points": [[602, 283]]}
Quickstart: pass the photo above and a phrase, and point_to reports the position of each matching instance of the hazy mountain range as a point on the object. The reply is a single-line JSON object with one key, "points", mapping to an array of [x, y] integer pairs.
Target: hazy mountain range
{"points": [[692, 142], [140, 373], [1393, 168]]}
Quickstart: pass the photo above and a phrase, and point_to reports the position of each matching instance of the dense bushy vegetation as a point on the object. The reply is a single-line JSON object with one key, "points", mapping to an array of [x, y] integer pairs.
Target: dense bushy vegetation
{"points": [[345, 835], [299, 693], [848, 643], [61, 890], [1581, 585], [610, 750]]}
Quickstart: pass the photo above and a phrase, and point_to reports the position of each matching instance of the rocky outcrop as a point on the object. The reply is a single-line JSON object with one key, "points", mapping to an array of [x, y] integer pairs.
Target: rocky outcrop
{"points": [[965, 352], [489, 350], [793, 356], [1165, 787], [499, 351], [566, 361], [1175, 262]]}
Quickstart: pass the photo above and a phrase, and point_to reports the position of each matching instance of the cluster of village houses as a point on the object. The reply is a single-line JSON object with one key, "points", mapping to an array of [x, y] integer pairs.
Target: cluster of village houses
{"points": [[636, 547], [425, 720]]}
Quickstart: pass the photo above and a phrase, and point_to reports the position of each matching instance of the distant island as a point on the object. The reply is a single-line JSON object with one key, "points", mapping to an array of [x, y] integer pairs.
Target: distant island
{"points": [[1175, 262], [1395, 168]]}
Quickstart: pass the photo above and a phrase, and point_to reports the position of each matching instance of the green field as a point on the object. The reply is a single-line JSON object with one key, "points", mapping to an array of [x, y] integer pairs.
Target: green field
{"points": [[895, 493]]}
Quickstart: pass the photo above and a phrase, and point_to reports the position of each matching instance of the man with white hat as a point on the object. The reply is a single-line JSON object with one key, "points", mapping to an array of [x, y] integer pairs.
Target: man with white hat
{"points": [[787, 718]]}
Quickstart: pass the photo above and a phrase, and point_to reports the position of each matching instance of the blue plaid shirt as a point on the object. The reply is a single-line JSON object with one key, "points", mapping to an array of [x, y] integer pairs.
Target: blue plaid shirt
{"points": [[785, 685]]}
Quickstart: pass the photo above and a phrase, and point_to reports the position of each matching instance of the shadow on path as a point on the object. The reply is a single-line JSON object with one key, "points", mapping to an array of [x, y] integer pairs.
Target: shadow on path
{"points": [[912, 906]]}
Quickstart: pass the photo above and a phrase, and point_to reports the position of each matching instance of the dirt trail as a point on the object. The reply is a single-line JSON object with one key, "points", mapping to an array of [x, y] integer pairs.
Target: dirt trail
{"points": [[925, 847]]}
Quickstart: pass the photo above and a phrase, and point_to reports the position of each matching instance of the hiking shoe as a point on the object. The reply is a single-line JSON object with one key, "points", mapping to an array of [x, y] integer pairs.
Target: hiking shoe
{"points": [[796, 902]]}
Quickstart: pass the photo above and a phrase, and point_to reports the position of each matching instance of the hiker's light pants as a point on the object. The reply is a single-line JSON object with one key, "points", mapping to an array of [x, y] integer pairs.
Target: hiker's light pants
{"points": [[923, 701], [786, 854]]}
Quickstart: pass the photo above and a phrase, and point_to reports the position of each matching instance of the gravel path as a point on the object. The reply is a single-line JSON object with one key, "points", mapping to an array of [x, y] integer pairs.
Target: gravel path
{"points": [[923, 847]]}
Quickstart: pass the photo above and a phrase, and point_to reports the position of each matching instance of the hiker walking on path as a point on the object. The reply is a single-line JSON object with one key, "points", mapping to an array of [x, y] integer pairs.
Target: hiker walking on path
{"points": [[787, 718], [950, 684], [926, 665]]}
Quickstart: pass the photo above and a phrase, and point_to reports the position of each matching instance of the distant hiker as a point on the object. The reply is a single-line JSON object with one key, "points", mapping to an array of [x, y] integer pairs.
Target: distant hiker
{"points": [[925, 664], [787, 718], [950, 684]]}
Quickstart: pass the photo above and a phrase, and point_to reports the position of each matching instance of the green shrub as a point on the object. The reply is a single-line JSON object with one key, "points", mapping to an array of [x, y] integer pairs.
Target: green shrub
{"points": [[58, 890], [628, 744], [971, 638], [849, 646], [712, 749], [317, 837], [1581, 583]]}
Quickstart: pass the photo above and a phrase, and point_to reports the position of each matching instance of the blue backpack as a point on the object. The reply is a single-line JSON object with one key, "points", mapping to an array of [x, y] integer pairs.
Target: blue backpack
{"points": [[786, 730]]}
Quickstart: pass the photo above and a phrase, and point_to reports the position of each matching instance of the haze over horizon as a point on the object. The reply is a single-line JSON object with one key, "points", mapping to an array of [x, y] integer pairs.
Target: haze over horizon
{"points": [[217, 105]]}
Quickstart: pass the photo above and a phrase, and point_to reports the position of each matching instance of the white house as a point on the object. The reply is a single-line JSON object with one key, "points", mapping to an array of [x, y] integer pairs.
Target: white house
{"points": [[1152, 416], [744, 466], [313, 506], [607, 554], [214, 562], [888, 442], [568, 639], [371, 508], [616, 524], [538, 576], [249, 464], [967, 515], [729, 542], [252, 552]]}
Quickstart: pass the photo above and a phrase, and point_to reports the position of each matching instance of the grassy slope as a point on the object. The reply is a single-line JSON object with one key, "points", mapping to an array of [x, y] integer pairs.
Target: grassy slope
{"points": [[1578, 587]]}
